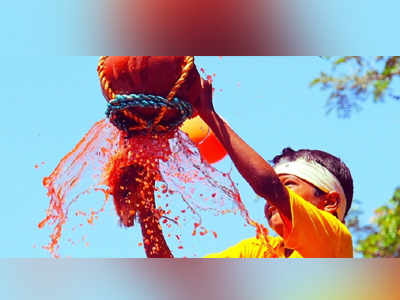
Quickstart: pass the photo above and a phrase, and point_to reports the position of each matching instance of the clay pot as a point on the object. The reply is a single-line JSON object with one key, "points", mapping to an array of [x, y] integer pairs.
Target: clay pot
{"points": [[154, 75]]}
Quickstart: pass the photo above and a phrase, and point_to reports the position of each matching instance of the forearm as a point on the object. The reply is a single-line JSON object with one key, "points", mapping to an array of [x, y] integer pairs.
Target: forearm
{"points": [[254, 169]]}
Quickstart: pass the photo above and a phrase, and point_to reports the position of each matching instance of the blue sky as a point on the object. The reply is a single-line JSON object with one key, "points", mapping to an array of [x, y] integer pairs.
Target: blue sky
{"points": [[76, 27], [49, 103]]}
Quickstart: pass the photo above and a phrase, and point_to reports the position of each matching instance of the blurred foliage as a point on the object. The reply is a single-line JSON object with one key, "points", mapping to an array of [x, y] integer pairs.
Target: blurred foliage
{"points": [[382, 237], [354, 79]]}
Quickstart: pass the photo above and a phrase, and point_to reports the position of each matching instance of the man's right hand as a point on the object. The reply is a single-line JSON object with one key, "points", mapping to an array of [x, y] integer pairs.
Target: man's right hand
{"points": [[204, 105]]}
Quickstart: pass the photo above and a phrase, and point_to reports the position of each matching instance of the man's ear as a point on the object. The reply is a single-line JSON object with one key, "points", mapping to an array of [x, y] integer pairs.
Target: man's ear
{"points": [[331, 202]]}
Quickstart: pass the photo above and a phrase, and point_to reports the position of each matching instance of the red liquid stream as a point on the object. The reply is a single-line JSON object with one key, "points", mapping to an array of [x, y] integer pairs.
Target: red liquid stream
{"points": [[160, 166]]}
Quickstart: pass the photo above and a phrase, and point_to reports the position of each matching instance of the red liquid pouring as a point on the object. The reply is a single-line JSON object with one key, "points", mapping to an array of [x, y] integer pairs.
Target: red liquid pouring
{"points": [[137, 171]]}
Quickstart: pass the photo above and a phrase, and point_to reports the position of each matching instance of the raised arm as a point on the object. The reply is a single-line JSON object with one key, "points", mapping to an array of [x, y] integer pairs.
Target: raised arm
{"points": [[254, 169]]}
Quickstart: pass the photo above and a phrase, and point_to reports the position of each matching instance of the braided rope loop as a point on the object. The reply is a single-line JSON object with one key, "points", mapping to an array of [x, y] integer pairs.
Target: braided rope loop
{"points": [[103, 80], [189, 63], [122, 118], [121, 104]]}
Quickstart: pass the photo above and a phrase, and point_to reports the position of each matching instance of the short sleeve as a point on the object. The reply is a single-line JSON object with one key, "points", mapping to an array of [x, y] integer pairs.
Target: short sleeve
{"points": [[316, 233]]}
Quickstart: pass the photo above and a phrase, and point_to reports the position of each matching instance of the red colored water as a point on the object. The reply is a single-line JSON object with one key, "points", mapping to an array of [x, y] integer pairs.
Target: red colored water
{"points": [[137, 172], [78, 173]]}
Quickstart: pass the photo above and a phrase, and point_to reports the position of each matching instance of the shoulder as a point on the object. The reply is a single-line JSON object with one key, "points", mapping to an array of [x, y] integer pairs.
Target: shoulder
{"points": [[303, 210], [316, 233]]}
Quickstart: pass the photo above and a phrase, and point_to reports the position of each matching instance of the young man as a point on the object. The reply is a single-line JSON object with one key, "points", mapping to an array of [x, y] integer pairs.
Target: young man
{"points": [[308, 194]]}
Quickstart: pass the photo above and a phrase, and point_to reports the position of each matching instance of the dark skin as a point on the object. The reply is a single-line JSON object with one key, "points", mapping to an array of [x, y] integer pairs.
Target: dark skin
{"points": [[258, 172], [327, 201]]}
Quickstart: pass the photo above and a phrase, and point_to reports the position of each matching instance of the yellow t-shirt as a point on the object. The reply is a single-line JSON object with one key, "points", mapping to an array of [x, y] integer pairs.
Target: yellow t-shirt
{"points": [[314, 233]]}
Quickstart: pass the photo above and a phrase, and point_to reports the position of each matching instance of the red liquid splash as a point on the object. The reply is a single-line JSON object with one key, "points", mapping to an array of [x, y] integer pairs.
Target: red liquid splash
{"points": [[137, 171], [78, 173]]}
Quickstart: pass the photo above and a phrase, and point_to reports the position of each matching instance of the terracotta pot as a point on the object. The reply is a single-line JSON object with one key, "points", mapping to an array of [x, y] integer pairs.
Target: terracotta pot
{"points": [[155, 75]]}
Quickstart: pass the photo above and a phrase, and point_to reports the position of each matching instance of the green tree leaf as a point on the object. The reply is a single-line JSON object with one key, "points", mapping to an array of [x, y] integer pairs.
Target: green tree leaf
{"points": [[382, 238], [355, 79]]}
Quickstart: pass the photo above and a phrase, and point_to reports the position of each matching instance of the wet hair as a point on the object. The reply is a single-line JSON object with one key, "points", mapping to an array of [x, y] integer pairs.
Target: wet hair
{"points": [[330, 162]]}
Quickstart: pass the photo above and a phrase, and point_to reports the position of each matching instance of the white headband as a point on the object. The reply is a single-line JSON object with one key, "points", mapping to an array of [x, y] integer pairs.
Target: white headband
{"points": [[317, 175]]}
